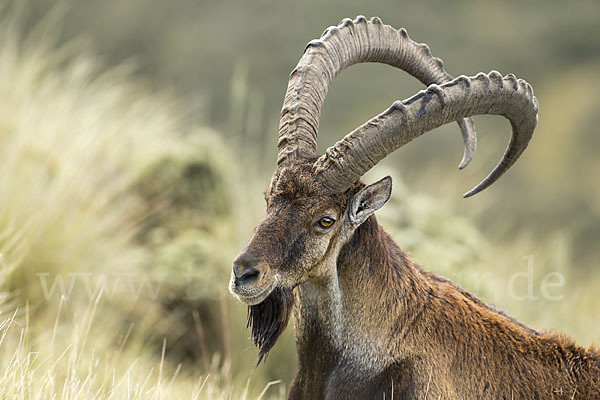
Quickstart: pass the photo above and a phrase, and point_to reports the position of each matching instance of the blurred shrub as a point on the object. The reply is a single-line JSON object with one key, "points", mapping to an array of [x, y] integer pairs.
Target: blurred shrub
{"points": [[187, 199], [103, 188]]}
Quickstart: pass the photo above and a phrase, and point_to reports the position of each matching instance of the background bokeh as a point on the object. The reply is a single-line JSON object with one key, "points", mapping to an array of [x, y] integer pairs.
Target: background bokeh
{"points": [[137, 137]]}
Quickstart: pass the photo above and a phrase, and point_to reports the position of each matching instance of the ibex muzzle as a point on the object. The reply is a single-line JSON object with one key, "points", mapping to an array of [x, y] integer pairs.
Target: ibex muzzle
{"points": [[370, 323], [245, 269]]}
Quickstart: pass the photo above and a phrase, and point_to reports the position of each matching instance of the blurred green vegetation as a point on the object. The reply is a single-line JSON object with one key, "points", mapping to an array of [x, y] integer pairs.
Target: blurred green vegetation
{"points": [[136, 138]]}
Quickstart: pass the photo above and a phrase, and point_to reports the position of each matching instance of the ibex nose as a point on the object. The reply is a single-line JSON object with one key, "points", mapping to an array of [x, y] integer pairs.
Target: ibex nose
{"points": [[244, 269]]}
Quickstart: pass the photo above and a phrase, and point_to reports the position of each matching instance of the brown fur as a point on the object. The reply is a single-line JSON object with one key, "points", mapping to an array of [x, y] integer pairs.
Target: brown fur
{"points": [[371, 324]]}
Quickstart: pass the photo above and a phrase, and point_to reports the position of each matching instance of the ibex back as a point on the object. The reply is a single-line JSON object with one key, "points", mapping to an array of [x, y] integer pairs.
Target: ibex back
{"points": [[370, 323]]}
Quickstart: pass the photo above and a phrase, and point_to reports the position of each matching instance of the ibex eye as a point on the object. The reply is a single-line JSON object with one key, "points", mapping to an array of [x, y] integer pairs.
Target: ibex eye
{"points": [[326, 222]]}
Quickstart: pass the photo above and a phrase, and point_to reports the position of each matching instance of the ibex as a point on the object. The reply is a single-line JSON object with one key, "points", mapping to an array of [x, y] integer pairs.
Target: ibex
{"points": [[370, 323]]}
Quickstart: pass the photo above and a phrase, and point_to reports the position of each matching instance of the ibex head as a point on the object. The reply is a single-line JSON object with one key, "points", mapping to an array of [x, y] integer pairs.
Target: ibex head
{"points": [[314, 204]]}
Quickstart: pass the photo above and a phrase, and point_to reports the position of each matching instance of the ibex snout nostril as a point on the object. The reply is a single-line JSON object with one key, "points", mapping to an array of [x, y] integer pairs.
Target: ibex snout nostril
{"points": [[247, 275], [244, 270]]}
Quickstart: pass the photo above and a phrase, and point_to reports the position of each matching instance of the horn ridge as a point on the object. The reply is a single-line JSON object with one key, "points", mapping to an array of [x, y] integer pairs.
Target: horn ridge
{"points": [[351, 42], [428, 109]]}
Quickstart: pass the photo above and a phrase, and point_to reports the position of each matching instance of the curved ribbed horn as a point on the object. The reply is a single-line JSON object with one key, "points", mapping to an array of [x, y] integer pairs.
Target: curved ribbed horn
{"points": [[339, 47], [346, 161]]}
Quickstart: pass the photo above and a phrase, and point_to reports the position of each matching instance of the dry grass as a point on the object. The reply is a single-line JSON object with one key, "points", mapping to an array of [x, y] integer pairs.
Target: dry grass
{"points": [[88, 156], [82, 359]]}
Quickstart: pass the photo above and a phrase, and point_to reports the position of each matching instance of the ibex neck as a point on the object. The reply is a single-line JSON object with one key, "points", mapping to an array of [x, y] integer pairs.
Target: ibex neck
{"points": [[358, 313]]}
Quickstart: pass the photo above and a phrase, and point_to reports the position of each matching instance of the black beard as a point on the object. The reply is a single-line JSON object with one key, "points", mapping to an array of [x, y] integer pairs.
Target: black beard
{"points": [[269, 319]]}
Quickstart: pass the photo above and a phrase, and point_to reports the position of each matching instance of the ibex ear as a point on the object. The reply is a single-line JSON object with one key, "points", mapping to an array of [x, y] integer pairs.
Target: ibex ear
{"points": [[369, 200]]}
